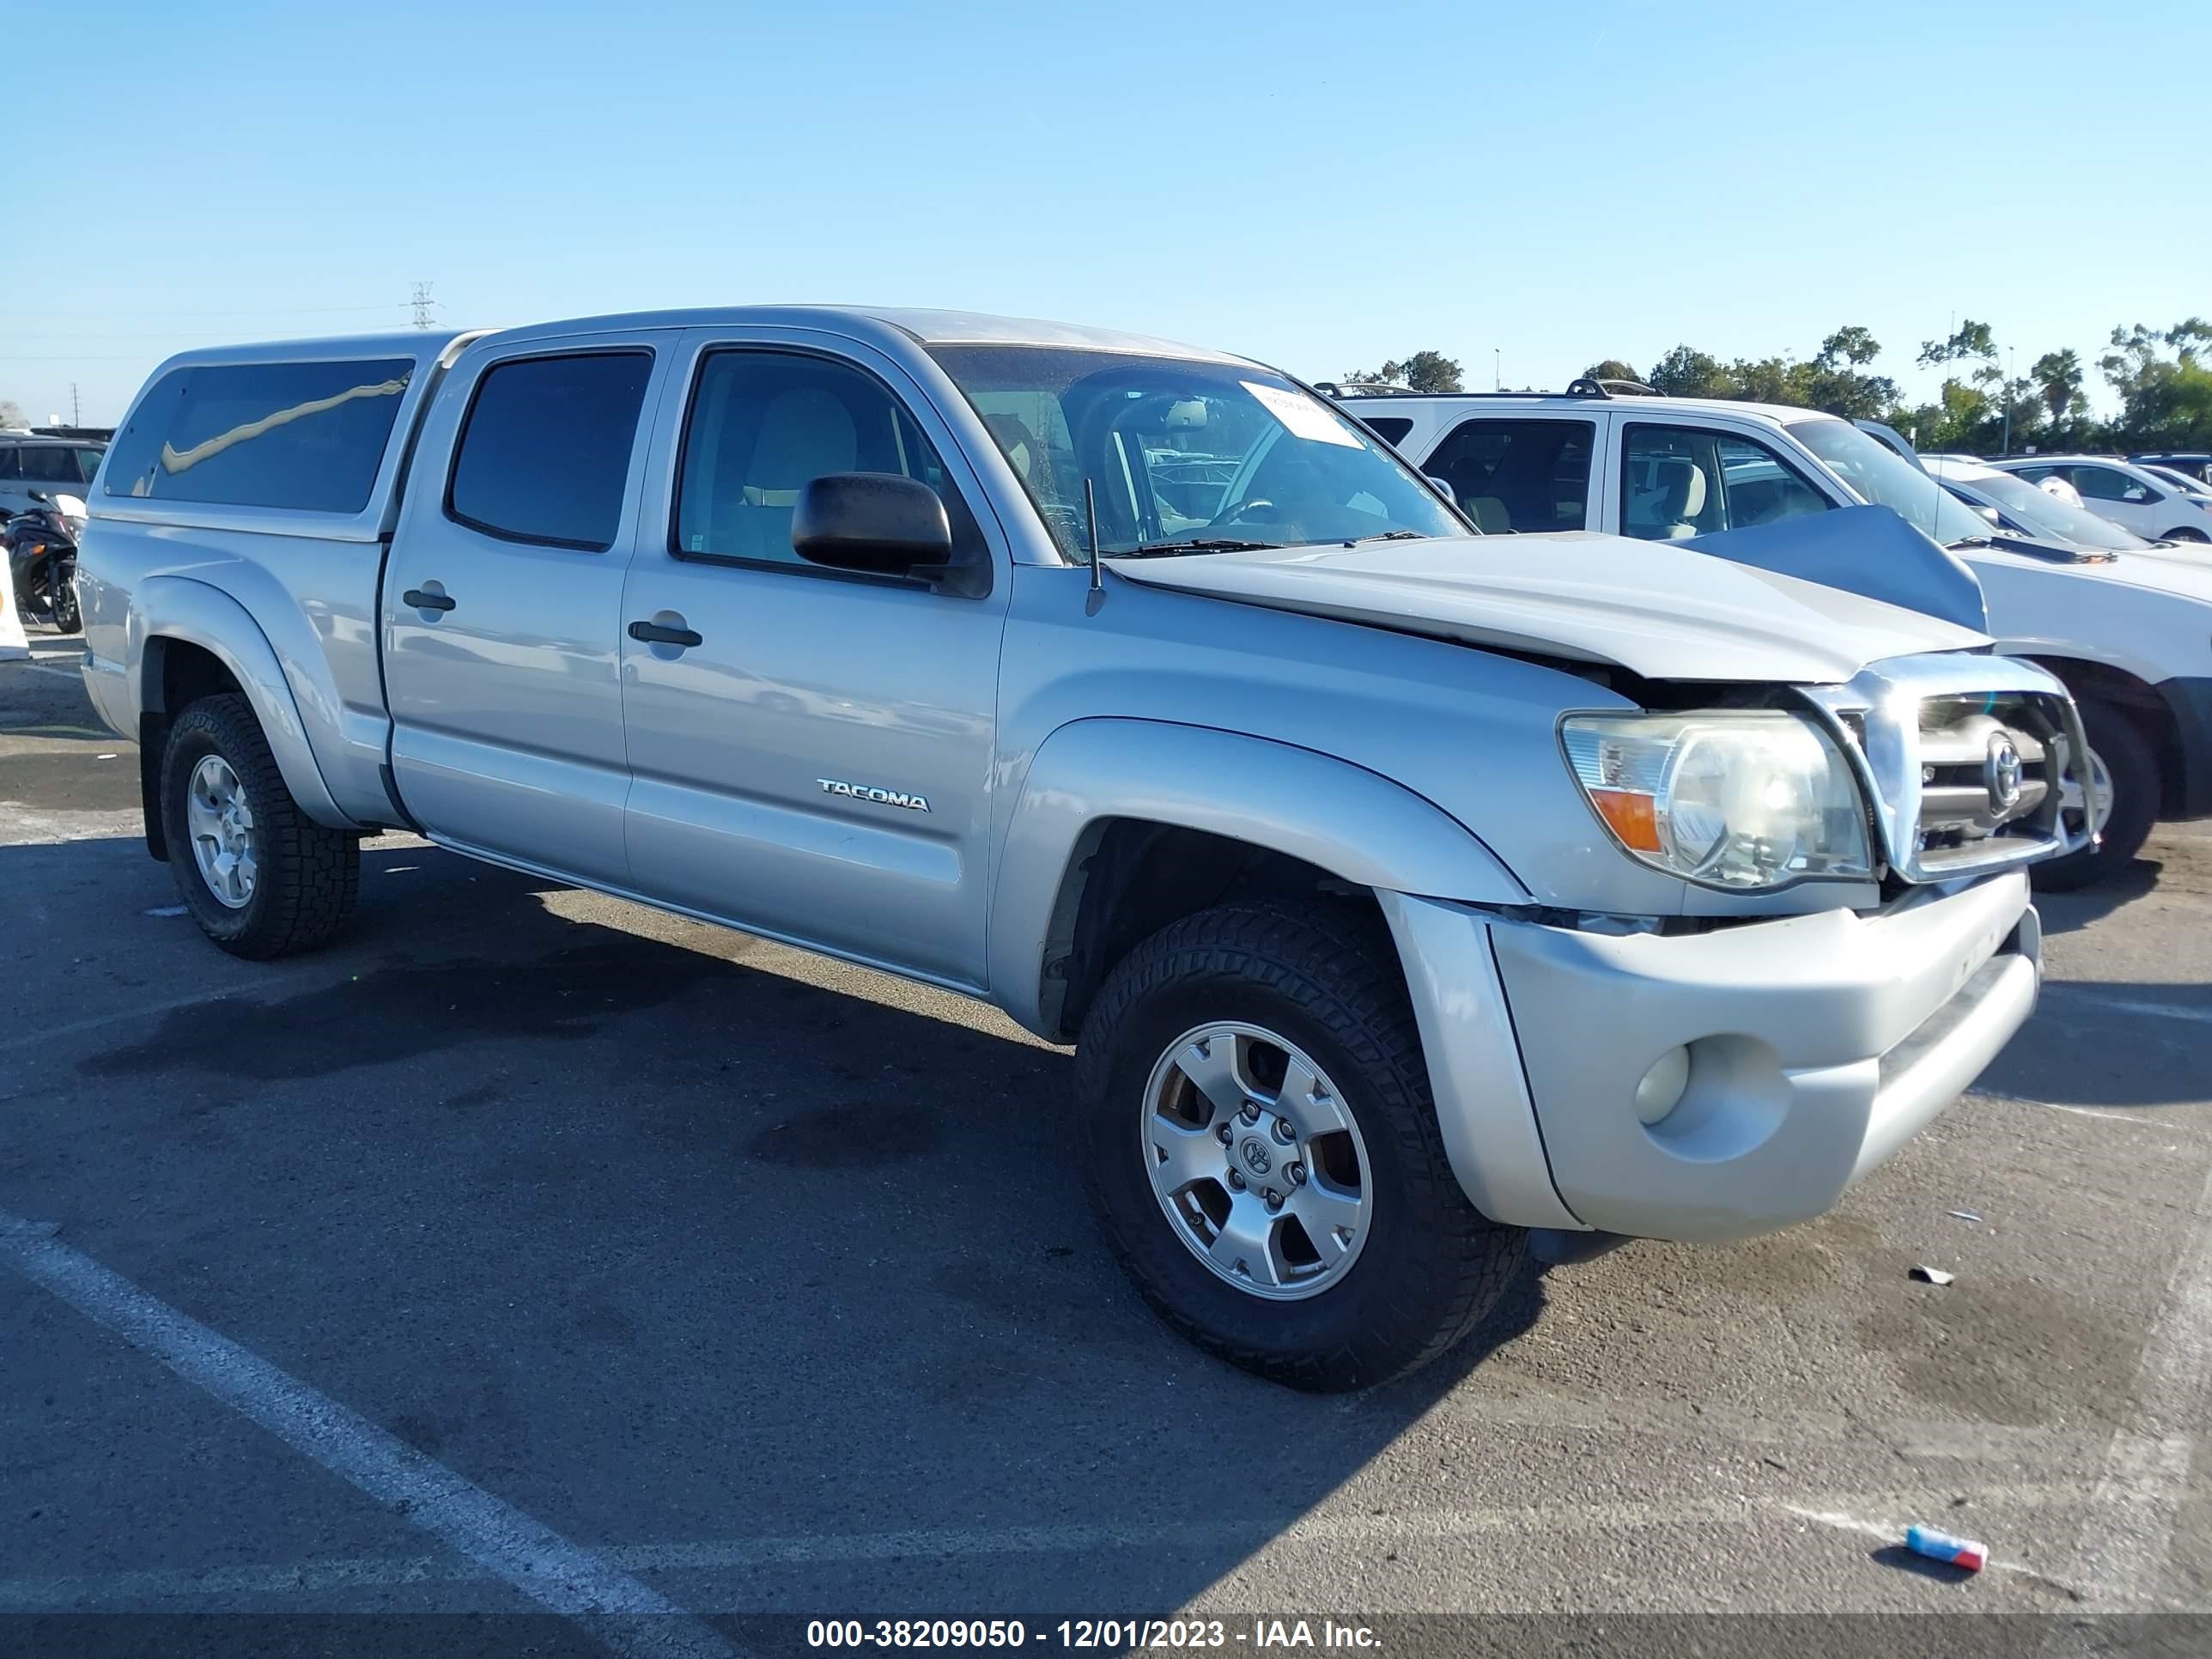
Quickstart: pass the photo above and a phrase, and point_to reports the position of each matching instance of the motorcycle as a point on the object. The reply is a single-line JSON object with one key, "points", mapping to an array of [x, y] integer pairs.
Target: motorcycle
{"points": [[41, 542]]}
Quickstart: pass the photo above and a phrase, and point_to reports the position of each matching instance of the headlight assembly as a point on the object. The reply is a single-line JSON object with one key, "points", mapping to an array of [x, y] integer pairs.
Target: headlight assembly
{"points": [[1740, 801]]}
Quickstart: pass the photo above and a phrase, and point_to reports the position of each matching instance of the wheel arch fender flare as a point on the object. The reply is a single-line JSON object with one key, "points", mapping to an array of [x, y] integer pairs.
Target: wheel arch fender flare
{"points": [[1358, 825], [178, 609]]}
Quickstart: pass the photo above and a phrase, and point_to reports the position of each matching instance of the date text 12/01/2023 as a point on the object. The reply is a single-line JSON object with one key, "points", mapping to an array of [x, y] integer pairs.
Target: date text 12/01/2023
{"points": [[1118, 1634]]}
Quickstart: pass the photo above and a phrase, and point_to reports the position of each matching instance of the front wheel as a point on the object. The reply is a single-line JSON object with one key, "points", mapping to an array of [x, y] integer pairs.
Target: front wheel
{"points": [[2125, 769], [2185, 533], [67, 617], [1263, 1151]]}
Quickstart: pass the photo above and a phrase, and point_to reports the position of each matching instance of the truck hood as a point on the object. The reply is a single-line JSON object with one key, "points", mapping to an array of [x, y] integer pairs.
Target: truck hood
{"points": [[1656, 609]]}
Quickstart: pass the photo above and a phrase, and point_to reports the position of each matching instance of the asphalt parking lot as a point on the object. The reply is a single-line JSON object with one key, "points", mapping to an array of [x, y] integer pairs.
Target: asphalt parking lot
{"points": [[766, 1283]]}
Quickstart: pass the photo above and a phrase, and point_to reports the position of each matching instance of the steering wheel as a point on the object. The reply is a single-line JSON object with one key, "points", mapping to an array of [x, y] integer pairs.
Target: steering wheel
{"points": [[1231, 514]]}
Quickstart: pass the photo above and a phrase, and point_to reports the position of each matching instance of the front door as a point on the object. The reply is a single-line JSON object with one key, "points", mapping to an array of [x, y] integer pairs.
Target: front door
{"points": [[502, 606], [2121, 497], [810, 749]]}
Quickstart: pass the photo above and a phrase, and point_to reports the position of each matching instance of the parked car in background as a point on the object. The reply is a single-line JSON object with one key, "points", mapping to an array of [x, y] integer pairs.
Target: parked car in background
{"points": [[2123, 492], [2197, 463], [1136, 690], [2187, 483], [2032, 511], [49, 466], [2131, 637]]}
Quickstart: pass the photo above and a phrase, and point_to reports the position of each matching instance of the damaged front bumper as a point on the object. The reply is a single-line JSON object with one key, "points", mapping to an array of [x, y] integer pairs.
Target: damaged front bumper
{"points": [[1817, 1045]]}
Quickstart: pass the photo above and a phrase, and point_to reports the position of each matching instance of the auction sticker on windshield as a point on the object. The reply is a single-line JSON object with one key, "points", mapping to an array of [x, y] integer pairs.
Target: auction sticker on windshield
{"points": [[1303, 416]]}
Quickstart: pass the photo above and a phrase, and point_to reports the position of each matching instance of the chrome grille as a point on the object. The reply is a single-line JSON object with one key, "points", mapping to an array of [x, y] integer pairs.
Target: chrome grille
{"points": [[1987, 774], [1970, 762]]}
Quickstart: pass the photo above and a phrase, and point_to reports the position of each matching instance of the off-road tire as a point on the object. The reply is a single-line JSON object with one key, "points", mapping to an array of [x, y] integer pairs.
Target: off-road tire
{"points": [[2132, 764], [309, 876], [1324, 974]]}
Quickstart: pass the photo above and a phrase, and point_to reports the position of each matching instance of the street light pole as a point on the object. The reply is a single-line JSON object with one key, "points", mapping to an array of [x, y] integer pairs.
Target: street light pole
{"points": [[2006, 447], [1496, 369]]}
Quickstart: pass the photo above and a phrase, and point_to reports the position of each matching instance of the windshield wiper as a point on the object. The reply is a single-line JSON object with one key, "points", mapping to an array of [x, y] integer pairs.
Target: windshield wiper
{"points": [[1971, 541], [1388, 536], [1164, 549]]}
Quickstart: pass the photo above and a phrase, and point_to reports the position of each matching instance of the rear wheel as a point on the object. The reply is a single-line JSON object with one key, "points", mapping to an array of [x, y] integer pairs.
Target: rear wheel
{"points": [[67, 617], [2186, 533], [260, 877], [1263, 1150], [2125, 769]]}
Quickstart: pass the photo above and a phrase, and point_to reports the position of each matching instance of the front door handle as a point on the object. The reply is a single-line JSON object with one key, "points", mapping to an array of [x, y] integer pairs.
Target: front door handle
{"points": [[654, 633], [423, 601]]}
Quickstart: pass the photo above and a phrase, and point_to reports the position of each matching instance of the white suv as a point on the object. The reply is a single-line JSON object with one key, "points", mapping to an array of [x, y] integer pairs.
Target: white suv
{"points": [[2130, 634], [2134, 497]]}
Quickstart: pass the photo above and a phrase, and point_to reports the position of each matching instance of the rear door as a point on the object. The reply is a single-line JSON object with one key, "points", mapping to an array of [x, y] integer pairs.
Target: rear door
{"points": [[502, 602], [812, 750], [1522, 472]]}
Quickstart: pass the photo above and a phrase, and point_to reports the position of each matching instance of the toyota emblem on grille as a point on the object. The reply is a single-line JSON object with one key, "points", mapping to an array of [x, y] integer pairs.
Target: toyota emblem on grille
{"points": [[2001, 773]]}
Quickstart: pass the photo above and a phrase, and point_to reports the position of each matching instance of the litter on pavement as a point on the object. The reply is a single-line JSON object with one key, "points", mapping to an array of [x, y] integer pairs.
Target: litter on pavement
{"points": [[1942, 1547], [1933, 1275]]}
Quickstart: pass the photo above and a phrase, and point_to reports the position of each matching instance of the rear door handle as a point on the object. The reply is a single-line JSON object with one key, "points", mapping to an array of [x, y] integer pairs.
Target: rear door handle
{"points": [[422, 601], [654, 633]]}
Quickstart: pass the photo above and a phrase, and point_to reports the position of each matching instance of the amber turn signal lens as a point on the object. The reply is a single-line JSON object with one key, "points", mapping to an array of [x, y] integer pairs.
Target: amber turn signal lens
{"points": [[1632, 816]]}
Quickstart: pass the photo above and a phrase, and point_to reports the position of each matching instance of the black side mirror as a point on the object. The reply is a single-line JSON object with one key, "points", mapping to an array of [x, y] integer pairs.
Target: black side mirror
{"points": [[884, 524]]}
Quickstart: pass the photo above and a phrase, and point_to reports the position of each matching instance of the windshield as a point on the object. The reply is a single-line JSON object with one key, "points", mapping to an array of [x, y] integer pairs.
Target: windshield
{"points": [[1185, 454], [1877, 473], [2042, 514]]}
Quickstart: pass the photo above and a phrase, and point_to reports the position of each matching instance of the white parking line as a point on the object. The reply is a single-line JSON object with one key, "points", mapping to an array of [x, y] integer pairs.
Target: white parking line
{"points": [[502, 1541], [1328, 1530], [2128, 1534], [2141, 1119], [2133, 1004]]}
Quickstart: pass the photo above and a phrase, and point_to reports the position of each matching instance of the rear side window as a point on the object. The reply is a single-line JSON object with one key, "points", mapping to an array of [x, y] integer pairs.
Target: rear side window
{"points": [[1391, 428], [1518, 475], [53, 464], [307, 436], [544, 453]]}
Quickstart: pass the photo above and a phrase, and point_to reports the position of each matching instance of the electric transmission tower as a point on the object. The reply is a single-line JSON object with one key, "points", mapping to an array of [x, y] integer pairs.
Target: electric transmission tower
{"points": [[422, 304]]}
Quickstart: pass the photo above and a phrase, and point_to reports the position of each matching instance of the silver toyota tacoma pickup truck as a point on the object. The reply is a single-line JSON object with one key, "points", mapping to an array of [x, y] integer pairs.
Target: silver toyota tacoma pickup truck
{"points": [[1417, 900]]}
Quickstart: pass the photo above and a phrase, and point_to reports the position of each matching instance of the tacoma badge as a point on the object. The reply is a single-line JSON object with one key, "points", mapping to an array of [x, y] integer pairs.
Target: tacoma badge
{"points": [[881, 796]]}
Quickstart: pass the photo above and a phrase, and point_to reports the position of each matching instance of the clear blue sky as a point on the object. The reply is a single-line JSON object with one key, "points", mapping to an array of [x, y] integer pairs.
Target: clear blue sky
{"points": [[1322, 186]]}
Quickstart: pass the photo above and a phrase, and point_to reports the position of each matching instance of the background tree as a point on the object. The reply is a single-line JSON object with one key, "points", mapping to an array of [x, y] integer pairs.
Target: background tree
{"points": [[11, 413], [2058, 377], [1611, 368], [2165, 403], [1850, 345], [1971, 340], [1424, 371], [1686, 371]]}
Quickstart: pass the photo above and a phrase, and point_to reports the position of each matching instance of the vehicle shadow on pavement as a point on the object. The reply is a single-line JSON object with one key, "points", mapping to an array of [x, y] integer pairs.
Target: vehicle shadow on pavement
{"points": [[660, 1237], [2066, 913], [2111, 1043]]}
